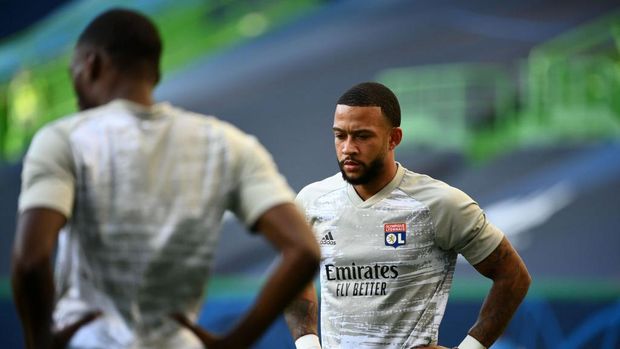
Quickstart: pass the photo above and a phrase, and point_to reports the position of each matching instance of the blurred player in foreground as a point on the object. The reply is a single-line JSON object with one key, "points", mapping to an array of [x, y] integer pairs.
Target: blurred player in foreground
{"points": [[389, 240], [134, 192]]}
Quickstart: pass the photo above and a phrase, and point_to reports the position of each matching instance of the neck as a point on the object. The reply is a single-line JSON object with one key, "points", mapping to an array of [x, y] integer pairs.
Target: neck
{"points": [[366, 191], [137, 91]]}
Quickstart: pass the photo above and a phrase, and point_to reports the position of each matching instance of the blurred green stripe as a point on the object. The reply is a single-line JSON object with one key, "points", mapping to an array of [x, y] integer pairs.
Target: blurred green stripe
{"points": [[190, 31], [244, 287]]}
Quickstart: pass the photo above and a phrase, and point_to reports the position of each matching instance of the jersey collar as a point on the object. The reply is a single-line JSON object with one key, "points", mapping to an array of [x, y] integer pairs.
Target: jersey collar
{"points": [[381, 194], [141, 111]]}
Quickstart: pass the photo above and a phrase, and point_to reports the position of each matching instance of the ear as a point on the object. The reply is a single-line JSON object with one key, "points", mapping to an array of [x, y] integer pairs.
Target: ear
{"points": [[93, 65], [396, 136]]}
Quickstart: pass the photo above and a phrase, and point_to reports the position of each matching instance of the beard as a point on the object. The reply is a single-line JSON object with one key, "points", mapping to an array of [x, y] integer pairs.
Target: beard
{"points": [[368, 174]]}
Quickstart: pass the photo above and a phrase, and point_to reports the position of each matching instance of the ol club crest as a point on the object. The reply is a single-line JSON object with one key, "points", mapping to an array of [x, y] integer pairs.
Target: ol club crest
{"points": [[395, 234]]}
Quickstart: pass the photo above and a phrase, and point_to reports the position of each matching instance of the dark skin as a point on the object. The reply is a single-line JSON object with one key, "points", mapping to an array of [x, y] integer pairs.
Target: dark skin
{"points": [[32, 279], [97, 81], [504, 266], [511, 281], [302, 314], [33, 286], [280, 226]]}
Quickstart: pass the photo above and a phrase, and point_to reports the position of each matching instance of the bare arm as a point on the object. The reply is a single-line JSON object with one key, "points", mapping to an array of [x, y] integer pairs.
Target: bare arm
{"points": [[511, 281], [32, 278], [302, 314], [287, 230], [31, 272]]}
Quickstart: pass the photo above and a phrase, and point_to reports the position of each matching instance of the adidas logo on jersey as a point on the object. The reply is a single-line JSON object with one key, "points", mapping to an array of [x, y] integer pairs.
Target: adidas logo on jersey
{"points": [[328, 239]]}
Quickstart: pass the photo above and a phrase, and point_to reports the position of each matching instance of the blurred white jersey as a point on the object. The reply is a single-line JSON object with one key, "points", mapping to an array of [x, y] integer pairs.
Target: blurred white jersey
{"points": [[144, 190], [387, 262]]}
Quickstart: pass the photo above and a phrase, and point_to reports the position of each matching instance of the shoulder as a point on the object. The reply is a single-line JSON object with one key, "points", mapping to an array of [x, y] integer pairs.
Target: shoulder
{"points": [[54, 136], [90, 118], [317, 189], [191, 117], [440, 198], [216, 125], [432, 192], [238, 143]]}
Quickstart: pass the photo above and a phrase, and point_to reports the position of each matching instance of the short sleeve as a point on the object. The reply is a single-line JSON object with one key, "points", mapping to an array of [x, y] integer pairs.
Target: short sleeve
{"points": [[260, 185], [48, 178], [462, 226], [300, 201]]}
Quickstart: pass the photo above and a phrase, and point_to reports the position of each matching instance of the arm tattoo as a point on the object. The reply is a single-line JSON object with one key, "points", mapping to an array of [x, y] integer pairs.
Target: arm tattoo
{"points": [[511, 281], [302, 317]]}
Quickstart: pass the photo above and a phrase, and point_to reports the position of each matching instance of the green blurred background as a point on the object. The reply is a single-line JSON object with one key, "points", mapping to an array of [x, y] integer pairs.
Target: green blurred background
{"points": [[517, 103]]}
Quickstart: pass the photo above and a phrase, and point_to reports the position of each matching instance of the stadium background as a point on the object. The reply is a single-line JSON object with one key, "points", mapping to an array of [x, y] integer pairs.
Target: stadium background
{"points": [[515, 102]]}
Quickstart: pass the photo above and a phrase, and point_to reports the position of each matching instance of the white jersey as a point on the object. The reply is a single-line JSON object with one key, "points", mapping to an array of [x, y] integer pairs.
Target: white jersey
{"points": [[387, 262], [144, 190]]}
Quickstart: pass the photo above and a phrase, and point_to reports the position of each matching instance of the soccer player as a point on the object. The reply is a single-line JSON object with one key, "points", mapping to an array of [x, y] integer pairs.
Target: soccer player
{"points": [[389, 241], [134, 192]]}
